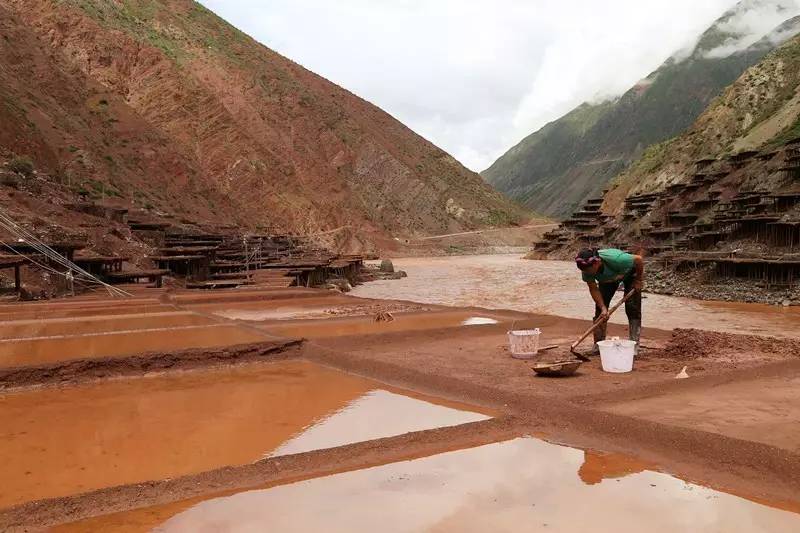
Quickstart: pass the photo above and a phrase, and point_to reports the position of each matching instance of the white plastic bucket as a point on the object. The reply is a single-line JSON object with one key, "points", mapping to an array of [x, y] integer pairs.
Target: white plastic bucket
{"points": [[616, 355], [524, 343]]}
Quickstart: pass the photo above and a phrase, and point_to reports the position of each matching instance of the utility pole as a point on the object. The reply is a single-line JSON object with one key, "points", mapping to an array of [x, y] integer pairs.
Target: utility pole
{"points": [[246, 257]]}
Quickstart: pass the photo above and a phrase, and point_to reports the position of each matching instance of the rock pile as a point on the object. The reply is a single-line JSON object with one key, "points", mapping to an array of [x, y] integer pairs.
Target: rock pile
{"points": [[700, 284]]}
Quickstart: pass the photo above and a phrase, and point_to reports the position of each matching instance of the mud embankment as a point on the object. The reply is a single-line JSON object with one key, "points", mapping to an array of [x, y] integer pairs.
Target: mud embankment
{"points": [[107, 367]]}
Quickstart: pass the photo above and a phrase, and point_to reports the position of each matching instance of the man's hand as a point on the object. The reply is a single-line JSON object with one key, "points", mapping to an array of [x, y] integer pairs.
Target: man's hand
{"points": [[638, 284], [603, 314]]}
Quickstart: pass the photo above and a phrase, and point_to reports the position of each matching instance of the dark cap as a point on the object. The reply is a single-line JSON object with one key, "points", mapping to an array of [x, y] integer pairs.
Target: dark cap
{"points": [[586, 258]]}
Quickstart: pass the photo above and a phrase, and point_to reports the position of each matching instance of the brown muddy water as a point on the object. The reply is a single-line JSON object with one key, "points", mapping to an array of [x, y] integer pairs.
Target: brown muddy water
{"points": [[555, 287], [71, 440], [287, 309], [98, 324], [521, 485], [339, 327], [32, 351], [80, 309]]}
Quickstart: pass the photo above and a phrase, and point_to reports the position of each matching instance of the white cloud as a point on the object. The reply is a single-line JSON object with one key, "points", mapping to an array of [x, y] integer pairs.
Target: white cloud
{"points": [[749, 26], [474, 77]]}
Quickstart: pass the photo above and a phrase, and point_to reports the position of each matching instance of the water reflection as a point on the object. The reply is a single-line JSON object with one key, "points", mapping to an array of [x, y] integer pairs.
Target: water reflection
{"points": [[520, 485], [598, 466], [68, 441], [376, 414], [478, 321], [314, 329]]}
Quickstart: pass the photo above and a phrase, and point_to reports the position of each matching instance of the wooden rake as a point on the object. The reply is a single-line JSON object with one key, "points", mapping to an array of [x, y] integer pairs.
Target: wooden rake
{"points": [[599, 322]]}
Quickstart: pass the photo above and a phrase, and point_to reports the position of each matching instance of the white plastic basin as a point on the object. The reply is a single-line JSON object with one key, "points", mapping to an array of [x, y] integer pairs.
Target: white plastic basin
{"points": [[616, 355], [524, 343]]}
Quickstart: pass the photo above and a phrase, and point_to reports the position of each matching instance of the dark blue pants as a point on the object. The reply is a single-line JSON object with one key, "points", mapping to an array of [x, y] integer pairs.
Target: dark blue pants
{"points": [[633, 307]]}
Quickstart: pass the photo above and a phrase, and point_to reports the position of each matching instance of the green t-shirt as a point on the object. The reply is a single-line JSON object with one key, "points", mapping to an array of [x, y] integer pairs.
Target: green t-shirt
{"points": [[615, 263]]}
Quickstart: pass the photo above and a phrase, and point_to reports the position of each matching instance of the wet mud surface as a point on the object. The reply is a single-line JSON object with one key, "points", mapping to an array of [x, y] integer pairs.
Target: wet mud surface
{"points": [[48, 350], [73, 326], [763, 410], [40, 312], [83, 370], [733, 350], [706, 429], [305, 308], [400, 322]]}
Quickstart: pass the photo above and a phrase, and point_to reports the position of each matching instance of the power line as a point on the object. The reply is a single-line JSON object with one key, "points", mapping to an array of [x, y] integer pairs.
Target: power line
{"points": [[23, 235]]}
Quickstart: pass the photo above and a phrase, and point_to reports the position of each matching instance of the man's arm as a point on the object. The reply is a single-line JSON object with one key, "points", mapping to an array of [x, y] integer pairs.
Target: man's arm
{"points": [[638, 266], [594, 290]]}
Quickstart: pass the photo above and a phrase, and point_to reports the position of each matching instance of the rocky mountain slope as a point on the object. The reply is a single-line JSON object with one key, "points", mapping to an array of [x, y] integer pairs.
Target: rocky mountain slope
{"points": [[163, 105], [571, 159], [760, 112], [719, 205]]}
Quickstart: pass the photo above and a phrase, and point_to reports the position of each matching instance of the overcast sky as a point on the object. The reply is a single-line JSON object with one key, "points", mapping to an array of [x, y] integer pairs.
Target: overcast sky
{"points": [[475, 76]]}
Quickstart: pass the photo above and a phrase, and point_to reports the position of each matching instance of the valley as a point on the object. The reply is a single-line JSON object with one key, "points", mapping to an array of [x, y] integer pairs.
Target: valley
{"points": [[237, 296]]}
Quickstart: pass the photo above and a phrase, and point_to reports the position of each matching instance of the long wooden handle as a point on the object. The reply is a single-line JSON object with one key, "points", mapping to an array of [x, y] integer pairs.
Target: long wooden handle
{"points": [[601, 321]]}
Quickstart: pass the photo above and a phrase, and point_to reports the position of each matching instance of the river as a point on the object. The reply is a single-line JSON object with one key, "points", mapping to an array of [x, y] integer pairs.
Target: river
{"points": [[555, 287]]}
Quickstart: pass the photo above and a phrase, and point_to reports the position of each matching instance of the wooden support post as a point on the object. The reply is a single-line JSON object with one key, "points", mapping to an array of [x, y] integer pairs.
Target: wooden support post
{"points": [[17, 281]]}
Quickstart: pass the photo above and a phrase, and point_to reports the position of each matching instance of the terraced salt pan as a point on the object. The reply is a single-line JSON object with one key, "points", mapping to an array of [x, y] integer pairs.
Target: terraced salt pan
{"points": [[73, 440], [417, 321], [31, 351], [54, 327]]}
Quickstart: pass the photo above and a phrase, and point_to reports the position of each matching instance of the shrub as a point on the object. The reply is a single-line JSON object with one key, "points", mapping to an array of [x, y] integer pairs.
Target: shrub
{"points": [[21, 165]]}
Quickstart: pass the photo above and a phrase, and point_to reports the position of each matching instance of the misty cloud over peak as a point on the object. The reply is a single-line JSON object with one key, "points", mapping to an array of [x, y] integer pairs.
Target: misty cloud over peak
{"points": [[749, 22]]}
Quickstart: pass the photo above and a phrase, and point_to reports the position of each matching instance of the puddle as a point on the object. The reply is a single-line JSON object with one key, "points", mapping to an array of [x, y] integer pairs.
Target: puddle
{"points": [[277, 313], [353, 423], [303, 308], [43, 313], [78, 302], [478, 321], [520, 485], [246, 294], [281, 309], [98, 324], [367, 325], [27, 352], [77, 439]]}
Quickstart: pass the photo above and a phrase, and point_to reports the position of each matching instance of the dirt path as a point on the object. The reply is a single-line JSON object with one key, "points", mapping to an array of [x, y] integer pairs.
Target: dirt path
{"points": [[554, 287], [533, 226]]}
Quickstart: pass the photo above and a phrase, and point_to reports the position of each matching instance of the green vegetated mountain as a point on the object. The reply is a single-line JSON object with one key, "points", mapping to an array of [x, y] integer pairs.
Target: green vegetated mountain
{"points": [[573, 158], [760, 112], [164, 105]]}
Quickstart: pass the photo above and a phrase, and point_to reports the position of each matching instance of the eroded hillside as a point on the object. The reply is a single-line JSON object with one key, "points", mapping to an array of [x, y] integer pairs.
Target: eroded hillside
{"points": [[164, 105]]}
